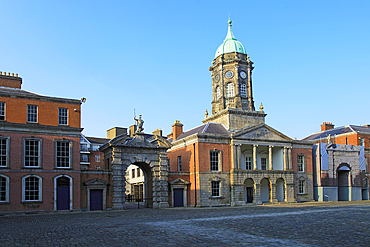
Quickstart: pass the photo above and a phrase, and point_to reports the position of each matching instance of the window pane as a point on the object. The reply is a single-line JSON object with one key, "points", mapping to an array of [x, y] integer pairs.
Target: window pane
{"points": [[2, 189], [243, 90], [63, 154], [31, 190], [179, 164], [31, 153], [3, 152], [2, 111], [32, 113], [300, 163], [213, 157], [230, 90], [215, 188], [263, 163], [63, 116], [248, 163]]}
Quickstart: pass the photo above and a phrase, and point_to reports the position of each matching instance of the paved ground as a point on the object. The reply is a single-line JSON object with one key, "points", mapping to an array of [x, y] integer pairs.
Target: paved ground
{"points": [[308, 224]]}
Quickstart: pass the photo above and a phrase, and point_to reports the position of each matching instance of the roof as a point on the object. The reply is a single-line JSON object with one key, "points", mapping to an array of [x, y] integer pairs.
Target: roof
{"points": [[96, 140], [337, 131], [230, 44], [7, 91], [208, 128]]}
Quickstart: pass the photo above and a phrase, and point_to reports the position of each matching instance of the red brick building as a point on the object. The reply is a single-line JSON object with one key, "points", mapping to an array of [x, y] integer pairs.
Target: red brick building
{"points": [[39, 151], [341, 158], [234, 158]]}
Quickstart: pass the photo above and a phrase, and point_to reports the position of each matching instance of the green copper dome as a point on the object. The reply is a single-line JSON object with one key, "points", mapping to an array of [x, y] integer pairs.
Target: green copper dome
{"points": [[230, 44]]}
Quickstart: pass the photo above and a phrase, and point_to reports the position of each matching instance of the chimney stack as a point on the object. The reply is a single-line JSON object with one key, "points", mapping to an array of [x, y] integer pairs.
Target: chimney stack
{"points": [[116, 131], [327, 126], [157, 132], [177, 129], [10, 80]]}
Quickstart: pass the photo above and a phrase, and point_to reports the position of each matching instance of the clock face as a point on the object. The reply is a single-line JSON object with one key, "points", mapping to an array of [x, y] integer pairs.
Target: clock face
{"points": [[243, 75], [229, 74], [217, 78]]}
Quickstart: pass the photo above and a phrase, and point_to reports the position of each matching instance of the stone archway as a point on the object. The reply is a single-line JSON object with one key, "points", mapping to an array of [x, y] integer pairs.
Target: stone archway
{"points": [[280, 190], [151, 157], [344, 182], [265, 190], [249, 190]]}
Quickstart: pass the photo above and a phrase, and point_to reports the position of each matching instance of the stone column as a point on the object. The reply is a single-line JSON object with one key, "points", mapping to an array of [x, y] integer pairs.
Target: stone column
{"points": [[160, 182], [273, 193], [255, 156], [119, 180], [270, 157], [239, 156], [257, 195], [289, 166], [285, 159]]}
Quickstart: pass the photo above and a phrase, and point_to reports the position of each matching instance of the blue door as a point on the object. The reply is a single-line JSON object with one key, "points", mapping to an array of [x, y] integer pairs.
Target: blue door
{"points": [[178, 197], [96, 199], [63, 193]]}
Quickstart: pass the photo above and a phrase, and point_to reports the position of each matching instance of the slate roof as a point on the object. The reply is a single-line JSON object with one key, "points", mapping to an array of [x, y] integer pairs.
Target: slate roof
{"points": [[208, 128], [96, 140], [27, 94], [337, 131]]}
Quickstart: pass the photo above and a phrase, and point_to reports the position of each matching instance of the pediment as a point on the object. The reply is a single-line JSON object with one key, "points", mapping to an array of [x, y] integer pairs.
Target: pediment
{"points": [[96, 182], [179, 181], [160, 141], [261, 132]]}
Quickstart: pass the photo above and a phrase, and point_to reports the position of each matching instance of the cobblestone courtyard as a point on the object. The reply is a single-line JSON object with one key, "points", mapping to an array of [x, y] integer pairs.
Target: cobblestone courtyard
{"points": [[308, 224]]}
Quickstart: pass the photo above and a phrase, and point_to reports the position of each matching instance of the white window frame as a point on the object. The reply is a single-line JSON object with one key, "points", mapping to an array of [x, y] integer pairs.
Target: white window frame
{"points": [[57, 157], [216, 188], [301, 186], [63, 116], [230, 90], [32, 114], [179, 163], [6, 154], [24, 188], [133, 174], [97, 158], [301, 165], [218, 93], [6, 188], [243, 89], [39, 141], [214, 154], [2, 111], [266, 163], [249, 159]]}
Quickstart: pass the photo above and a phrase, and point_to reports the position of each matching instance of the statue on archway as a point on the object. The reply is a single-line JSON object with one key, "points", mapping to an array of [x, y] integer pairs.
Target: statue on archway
{"points": [[139, 124]]}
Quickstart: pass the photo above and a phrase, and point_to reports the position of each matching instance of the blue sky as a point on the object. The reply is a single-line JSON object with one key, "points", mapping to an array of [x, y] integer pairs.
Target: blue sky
{"points": [[311, 58]]}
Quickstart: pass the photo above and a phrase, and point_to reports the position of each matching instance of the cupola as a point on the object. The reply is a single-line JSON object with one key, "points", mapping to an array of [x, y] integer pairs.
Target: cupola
{"points": [[230, 44]]}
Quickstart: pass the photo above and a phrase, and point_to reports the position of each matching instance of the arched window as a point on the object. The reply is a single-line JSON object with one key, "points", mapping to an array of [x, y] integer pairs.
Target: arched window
{"points": [[218, 93], [4, 188], [230, 90], [243, 90], [32, 188]]}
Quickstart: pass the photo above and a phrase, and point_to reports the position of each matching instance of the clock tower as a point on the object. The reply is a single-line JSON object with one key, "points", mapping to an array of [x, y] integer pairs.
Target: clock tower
{"points": [[231, 73]]}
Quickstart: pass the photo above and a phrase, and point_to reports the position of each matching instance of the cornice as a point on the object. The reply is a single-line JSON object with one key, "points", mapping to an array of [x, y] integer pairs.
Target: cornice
{"points": [[39, 129]]}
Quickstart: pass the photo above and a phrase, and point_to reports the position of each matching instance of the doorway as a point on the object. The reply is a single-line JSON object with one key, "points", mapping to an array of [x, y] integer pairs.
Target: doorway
{"points": [[96, 199], [178, 197], [63, 193]]}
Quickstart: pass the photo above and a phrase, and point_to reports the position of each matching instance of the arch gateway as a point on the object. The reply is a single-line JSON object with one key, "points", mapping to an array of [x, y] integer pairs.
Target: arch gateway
{"points": [[148, 154]]}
